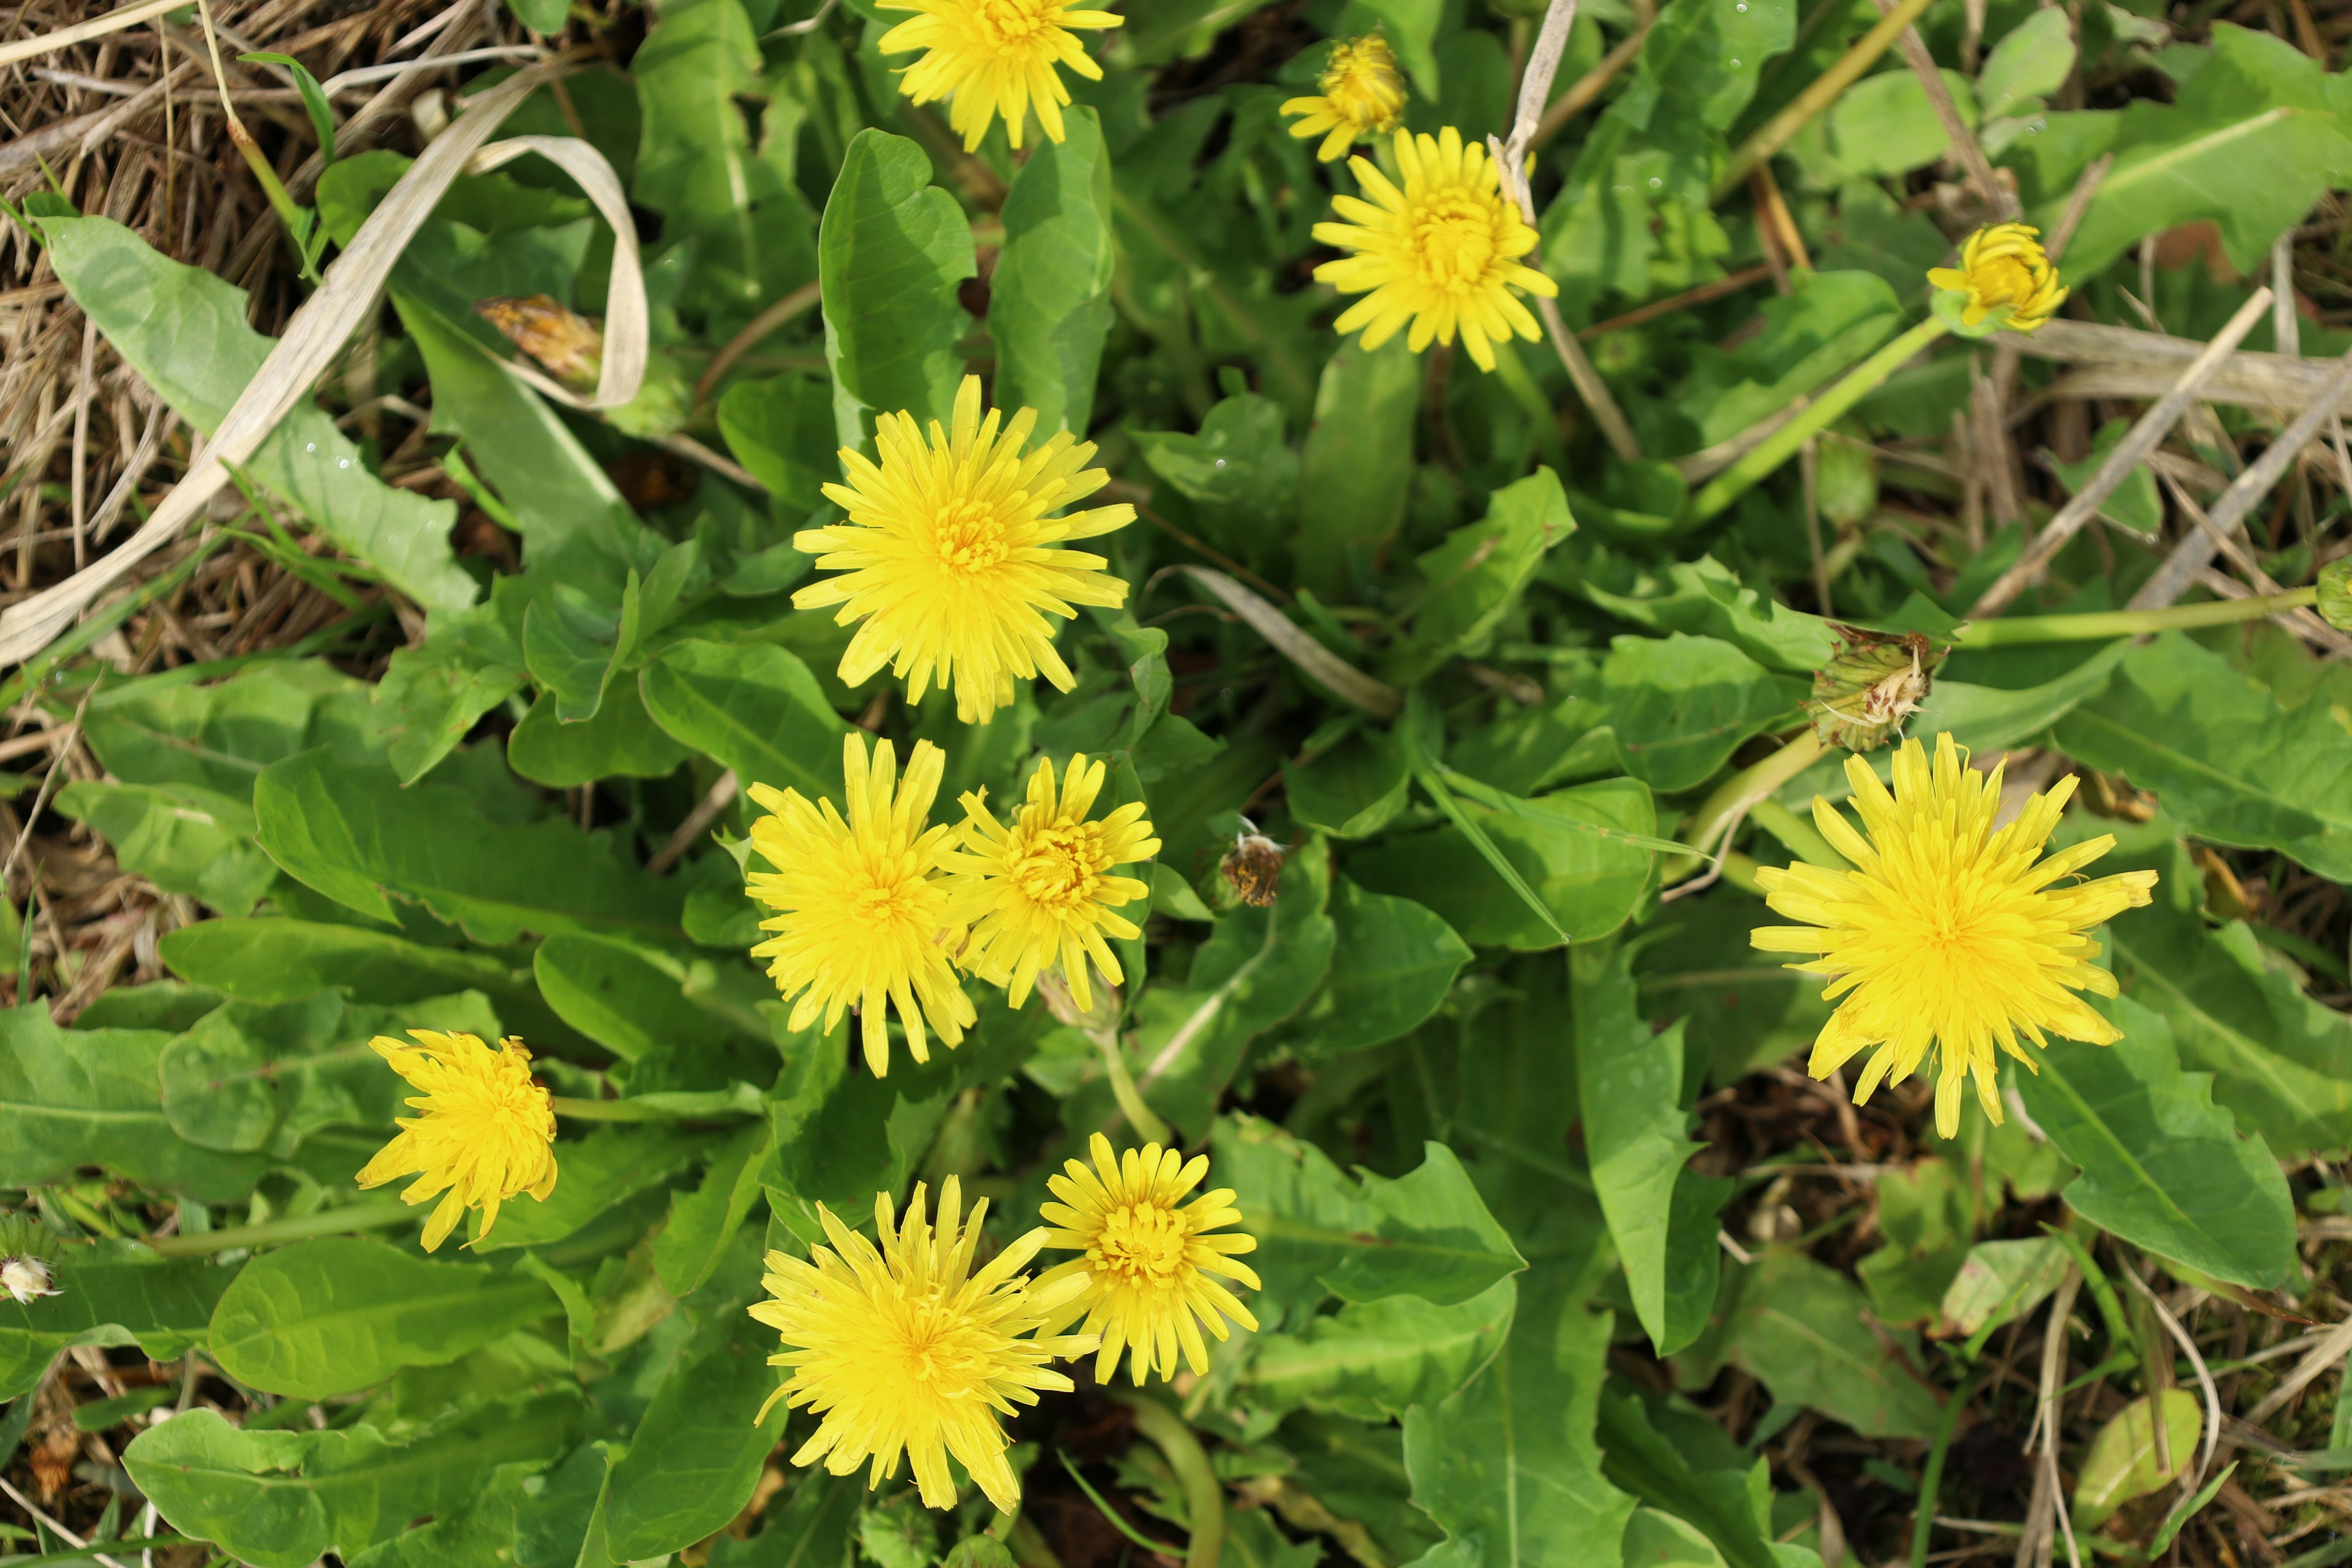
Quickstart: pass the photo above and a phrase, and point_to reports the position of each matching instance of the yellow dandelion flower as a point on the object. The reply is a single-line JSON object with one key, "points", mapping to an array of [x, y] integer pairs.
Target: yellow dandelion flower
{"points": [[1036, 894], [1947, 937], [950, 554], [993, 57], [905, 1349], [2003, 267], [486, 1133], [860, 902], [1362, 97], [1149, 1264], [1443, 254]]}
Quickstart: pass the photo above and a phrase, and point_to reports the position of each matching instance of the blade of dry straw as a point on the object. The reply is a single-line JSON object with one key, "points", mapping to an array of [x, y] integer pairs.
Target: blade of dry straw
{"points": [[626, 313], [80, 32]]}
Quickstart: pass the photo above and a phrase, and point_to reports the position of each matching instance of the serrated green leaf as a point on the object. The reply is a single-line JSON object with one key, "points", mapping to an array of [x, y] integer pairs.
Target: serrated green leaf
{"points": [[1372, 1360], [752, 707], [1392, 964], [891, 250]]}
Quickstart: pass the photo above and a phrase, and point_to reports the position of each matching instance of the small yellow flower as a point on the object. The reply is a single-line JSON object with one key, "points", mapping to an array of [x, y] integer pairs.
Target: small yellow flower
{"points": [[1947, 937], [2003, 268], [906, 1350], [1362, 97], [1442, 254], [1036, 894], [487, 1133], [993, 57], [949, 555], [1148, 1262], [861, 904]]}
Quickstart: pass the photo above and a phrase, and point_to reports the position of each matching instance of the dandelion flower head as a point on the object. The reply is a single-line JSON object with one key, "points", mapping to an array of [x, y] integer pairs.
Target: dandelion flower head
{"points": [[950, 559], [1037, 892], [1361, 97], [861, 906], [1948, 938], [905, 1349], [1440, 254], [486, 1132], [1151, 1265], [993, 57], [2004, 266]]}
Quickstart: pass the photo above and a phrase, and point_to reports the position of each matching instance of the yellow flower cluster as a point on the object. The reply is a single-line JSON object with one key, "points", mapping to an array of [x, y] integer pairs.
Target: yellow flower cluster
{"points": [[904, 1350], [876, 906], [992, 57]]}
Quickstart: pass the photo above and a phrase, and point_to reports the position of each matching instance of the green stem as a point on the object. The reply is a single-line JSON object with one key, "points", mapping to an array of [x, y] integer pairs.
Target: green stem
{"points": [[1740, 792], [1204, 1499], [2103, 624], [374, 1214], [1817, 417], [1931, 1479], [1796, 836], [1147, 1122]]}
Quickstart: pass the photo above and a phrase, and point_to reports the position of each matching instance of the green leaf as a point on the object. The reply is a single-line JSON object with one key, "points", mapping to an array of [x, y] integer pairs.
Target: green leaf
{"points": [[1703, 598], [1426, 1234], [432, 693], [1476, 575], [811, 1530], [702, 1222], [71, 1098], [164, 730], [1352, 789], [1681, 705], [597, 1174], [2162, 1165], [107, 1295], [1693, 77], [1999, 1282], [1591, 883], [1392, 964], [2230, 766], [330, 1316], [1797, 1327], [478, 1535], [1507, 1465], [1357, 465], [620, 741], [891, 250], [1881, 125], [1238, 471], [1637, 1138], [1992, 719], [2032, 62], [184, 331], [637, 1002], [1049, 298], [355, 834], [1924, 1213], [2124, 1463], [782, 430], [184, 838], [282, 1499], [752, 707], [698, 1451], [541, 16], [1728, 1508], [1371, 1360], [1823, 327]]}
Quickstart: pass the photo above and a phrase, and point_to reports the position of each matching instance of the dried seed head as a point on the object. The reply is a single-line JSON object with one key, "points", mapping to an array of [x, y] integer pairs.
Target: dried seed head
{"points": [[1253, 867], [26, 1277], [1875, 682], [571, 345]]}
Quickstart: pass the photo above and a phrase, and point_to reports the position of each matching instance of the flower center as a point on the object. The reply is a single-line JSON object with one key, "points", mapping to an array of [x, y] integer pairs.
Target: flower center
{"points": [[930, 1353], [1143, 1243], [1010, 25], [1453, 237], [2003, 280], [885, 900], [970, 538], [1054, 866]]}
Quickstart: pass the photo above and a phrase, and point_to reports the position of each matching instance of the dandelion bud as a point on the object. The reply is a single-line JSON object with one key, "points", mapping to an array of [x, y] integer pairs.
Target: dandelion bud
{"points": [[2005, 279], [1864, 695]]}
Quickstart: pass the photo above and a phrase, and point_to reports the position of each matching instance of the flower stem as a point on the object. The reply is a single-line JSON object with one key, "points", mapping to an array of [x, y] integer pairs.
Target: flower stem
{"points": [[2102, 624], [1204, 1499], [374, 1214], [1720, 811], [1818, 415], [1147, 1122]]}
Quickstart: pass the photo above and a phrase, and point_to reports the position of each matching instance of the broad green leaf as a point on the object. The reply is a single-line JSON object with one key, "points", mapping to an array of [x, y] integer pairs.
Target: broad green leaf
{"points": [[1371, 1360], [341, 1313], [891, 250], [1823, 327], [1238, 471], [1988, 718], [596, 1173], [1999, 1282], [184, 331], [1681, 705], [698, 1451], [165, 730], [620, 741], [1586, 873], [1658, 1540], [1392, 964], [1049, 298], [1797, 1328], [111, 1294], [1703, 598], [253, 1076], [184, 838], [637, 1002], [811, 1529], [2229, 763], [355, 834], [1924, 1213], [752, 706], [433, 694], [2124, 1463], [1352, 789], [1881, 125], [481, 1533], [782, 431], [1507, 1464], [702, 1222], [281, 1499], [1258, 969], [1475, 578], [573, 644], [1357, 465], [1728, 1508], [551, 1529], [2282, 1063], [1693, 77], [2162, 1166], [1320, 1232], [71, 1098], [1662, 1214], [2032, 62]]}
